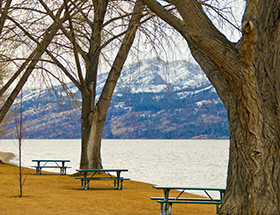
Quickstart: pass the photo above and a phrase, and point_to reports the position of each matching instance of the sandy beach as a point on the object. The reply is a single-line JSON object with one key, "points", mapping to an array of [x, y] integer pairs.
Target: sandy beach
{"points": [[52, 193]]}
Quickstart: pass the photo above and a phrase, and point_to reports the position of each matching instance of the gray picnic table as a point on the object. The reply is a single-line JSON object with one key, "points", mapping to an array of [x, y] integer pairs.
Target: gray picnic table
{"points": [[55, 164]]}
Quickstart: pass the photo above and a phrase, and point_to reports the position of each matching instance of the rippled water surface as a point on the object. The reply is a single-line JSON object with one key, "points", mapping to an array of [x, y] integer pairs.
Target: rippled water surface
{"points": [[198, 163]]}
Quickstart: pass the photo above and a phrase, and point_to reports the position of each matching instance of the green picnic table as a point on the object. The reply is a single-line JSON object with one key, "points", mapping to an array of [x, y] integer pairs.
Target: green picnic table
{"points": [[166, 202], [90, 175]]}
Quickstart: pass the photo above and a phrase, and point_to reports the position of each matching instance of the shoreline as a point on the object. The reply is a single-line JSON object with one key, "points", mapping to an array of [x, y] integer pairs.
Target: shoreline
{"points": [[6, 157]]}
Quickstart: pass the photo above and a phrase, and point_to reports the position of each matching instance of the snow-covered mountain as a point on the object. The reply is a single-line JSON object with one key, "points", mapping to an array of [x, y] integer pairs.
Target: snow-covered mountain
{"points": [[158, 76], [153, 99]]}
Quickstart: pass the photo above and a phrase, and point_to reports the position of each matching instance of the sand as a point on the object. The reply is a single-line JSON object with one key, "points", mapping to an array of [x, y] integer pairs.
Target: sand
{"points": [[55, 194], [5, 157]]}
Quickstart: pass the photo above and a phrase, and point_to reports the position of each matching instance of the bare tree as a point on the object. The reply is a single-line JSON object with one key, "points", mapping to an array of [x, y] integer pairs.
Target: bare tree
{"points": [[95, 33], [20, 135], [30, 62], [246, 77], [94, 111]]}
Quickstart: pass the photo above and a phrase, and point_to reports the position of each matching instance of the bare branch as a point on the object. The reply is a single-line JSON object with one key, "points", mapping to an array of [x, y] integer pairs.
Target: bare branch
{"points": [[50, 33], [4, 13], [121, 57], [80, 50], [73, 40]]}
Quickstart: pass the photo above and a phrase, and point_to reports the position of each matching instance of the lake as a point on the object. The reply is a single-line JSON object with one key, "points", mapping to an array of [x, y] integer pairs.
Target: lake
{"points": [[197, 163]]}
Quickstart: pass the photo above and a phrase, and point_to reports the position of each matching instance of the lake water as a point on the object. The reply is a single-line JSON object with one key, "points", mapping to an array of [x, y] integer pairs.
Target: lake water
{"points": [[197, 163]]}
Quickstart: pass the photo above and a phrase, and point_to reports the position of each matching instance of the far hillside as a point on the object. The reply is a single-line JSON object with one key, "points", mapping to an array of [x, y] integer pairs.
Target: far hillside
{"points": [[153, 100]]}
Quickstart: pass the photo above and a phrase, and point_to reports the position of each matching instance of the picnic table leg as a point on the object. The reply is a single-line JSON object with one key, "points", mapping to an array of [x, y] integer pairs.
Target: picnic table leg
{"points": [[166, 195], [217, 209], [164, 211], [38, 169], [121, 185], [83, 182], [161, 208], [118, 182], [63, 169], [169, 208], [222, 194]]}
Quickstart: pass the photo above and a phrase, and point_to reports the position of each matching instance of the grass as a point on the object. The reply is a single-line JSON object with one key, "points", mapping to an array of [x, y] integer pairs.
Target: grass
{"points": [[55, 194]]}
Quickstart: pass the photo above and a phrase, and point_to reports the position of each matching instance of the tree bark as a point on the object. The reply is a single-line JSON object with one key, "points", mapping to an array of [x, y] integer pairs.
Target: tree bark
{"points": [[246, 77]]}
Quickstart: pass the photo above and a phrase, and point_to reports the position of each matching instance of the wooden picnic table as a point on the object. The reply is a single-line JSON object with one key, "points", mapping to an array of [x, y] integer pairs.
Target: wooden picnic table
{"points": [[43, 164], [89, 175], [166, 201]]}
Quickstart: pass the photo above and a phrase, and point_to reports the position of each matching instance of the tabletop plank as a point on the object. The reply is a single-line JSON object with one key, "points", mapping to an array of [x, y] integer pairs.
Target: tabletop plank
{"points": [[50, 160], [190, 188], [102, 170]]}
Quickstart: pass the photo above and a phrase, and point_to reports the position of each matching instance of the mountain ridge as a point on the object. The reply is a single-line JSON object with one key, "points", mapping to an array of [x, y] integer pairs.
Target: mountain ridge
{"points": [[152, 100]]}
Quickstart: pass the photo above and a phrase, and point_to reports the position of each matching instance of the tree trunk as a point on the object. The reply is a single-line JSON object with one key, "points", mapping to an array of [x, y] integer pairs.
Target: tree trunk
{"points": [[91, 138], [91, 141], [246, 76], [254, 167], [94, 116]]}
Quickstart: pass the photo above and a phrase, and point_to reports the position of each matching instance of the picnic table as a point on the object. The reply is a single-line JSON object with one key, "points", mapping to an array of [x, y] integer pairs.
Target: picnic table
{"points": [[43, 164], [166, 202], [88, 175]]}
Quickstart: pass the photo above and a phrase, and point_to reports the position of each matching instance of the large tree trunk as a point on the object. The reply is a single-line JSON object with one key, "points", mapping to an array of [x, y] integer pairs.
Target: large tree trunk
{"points": [[254, 167], [91, 141], [91, 136], [246, 76]]}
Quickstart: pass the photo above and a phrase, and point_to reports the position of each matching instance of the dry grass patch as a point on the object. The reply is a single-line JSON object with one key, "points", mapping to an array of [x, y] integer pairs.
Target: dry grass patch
{"points": [[56, 194]]}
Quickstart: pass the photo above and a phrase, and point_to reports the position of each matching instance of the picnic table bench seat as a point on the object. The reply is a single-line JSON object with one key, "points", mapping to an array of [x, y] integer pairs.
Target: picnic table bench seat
{"points": [[102, 178], [185, 200]]}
